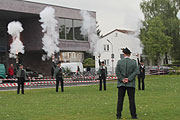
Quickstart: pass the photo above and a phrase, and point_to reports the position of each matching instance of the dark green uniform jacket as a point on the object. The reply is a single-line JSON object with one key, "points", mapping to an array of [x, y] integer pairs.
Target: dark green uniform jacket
{"points": [[126, 68], [57, 70], [100, 68], [19, 73]]}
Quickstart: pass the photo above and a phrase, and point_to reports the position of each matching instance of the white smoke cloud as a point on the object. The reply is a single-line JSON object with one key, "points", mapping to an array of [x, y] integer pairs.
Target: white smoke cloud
{"points": [[51, 36], [137, 42], [89, 29], [14, 29]]}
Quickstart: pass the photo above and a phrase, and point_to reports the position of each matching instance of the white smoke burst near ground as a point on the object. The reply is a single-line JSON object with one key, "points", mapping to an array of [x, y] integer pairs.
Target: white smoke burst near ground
{"points": [[14, 29], [89, 29], [49, 24]]}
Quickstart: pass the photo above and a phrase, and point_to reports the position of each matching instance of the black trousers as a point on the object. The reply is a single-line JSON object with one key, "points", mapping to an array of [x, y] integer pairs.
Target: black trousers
{"points": [[102, 78], [20, 84], [131, 94], [141, 80], [57, 84]]}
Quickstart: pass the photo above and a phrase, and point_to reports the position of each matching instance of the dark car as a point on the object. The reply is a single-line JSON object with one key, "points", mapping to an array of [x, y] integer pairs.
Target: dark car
{"points": [[2, 71]]}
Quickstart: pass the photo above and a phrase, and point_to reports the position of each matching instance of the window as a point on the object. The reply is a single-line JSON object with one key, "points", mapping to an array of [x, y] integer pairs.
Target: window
{"points": [[77, 30], [69, 29], [106, 47], [106, 62], [62, 29]]}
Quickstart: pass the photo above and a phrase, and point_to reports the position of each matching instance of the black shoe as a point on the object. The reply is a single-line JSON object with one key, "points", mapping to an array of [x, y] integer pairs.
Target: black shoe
{"points": [[135, 117], [118, 117]]}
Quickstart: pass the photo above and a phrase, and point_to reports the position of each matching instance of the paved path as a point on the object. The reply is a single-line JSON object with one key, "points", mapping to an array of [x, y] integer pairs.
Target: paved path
{"points": [[51, 86]]}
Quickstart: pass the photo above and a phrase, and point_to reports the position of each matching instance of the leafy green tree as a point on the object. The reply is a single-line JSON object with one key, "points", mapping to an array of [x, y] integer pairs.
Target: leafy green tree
{"points": [[156, 42], [167, 11], [89, 62]]}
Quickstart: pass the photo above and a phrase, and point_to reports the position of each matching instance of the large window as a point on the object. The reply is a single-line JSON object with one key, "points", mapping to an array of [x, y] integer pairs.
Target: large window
{"points": [[77, 30], [71, 30], [62, 29]]}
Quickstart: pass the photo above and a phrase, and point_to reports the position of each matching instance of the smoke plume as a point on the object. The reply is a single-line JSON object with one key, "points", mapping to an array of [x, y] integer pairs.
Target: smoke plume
{"points": [[137, 41], [14, 29], [49, 24], [89, 29]]}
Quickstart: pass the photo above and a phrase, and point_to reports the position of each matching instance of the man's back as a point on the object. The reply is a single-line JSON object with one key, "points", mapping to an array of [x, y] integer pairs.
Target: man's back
{"points": [[126, 68]]}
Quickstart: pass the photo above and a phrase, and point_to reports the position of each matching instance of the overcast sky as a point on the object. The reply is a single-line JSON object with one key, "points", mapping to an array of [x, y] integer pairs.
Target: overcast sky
{"points": [[111, 14]]}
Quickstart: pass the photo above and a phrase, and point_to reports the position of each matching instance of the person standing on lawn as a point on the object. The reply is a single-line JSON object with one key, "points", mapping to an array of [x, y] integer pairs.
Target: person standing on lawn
{"points": [[102, 75], [58, 74], [22, 76], [126, 71], [141, 75]]}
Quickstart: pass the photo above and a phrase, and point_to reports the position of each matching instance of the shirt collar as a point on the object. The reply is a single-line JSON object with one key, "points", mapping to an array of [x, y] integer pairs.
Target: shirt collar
{"points": [[126, 57]]}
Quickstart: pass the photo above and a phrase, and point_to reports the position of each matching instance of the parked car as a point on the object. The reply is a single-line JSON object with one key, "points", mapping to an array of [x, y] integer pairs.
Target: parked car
{"points": [[159, 70], [2, 71], [73, 66], [33, 74]]}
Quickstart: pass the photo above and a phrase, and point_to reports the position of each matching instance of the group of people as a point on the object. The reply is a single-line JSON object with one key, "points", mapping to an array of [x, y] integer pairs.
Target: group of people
{"points": [[22, 76], [126, 71]]}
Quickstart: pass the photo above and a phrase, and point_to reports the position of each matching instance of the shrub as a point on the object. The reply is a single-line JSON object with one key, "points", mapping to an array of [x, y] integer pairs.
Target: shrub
{"points": [[89, 62], [171, 73]]}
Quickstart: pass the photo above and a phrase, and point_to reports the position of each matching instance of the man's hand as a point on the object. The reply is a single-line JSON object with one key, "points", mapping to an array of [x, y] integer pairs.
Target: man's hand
{"points": [[125, 80]]}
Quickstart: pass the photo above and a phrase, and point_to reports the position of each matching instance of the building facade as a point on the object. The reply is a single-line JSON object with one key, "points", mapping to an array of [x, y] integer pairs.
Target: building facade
{"points": [[110, 46], [73, 46]]}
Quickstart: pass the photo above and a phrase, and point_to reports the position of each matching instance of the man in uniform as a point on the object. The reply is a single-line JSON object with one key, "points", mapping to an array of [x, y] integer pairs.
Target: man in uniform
{"points": [[102, 75], [53, 64], [141, 75], [22, 76], [126, 71], [58, 74]]}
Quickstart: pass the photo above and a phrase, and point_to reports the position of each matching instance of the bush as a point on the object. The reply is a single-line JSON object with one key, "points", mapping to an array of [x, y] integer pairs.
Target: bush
{"points": [[178, 73], [171, 73], [89, 62], [176, 62], [172, 65]]}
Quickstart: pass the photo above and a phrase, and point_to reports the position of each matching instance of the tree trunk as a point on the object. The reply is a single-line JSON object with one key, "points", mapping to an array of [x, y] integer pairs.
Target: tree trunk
{"points": [[166, 58]]}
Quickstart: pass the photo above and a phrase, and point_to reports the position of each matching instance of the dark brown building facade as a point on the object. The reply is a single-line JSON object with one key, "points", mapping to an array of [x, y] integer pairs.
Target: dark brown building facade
{"points": [[72, 43]]}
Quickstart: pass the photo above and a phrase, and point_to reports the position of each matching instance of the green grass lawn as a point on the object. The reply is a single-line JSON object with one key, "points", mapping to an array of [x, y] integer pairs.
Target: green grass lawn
{"points": [[160, 101]]}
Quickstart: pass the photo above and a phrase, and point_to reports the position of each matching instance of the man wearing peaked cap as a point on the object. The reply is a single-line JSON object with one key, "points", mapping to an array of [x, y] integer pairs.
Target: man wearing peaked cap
{"points": [[102, 75], [22, 76], [126, 51], [126, 71], [59, 75]]}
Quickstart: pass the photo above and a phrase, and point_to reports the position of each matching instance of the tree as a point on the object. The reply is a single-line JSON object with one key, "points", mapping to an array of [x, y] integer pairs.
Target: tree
{"points": [[156, 42], [167, 11], [89, 62]]}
